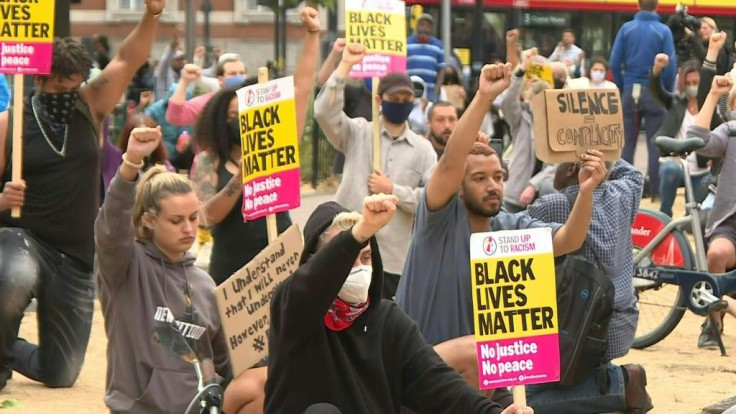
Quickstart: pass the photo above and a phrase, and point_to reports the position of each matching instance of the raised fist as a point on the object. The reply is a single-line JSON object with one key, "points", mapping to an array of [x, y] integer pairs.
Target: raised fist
{"points": [[353, 53], [660, 62], [494, 79]]}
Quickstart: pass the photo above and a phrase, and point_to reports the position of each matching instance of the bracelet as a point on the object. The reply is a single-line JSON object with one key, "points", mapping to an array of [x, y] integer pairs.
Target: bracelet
{"points": [[131, 164], [155, 16], [709, 61]]}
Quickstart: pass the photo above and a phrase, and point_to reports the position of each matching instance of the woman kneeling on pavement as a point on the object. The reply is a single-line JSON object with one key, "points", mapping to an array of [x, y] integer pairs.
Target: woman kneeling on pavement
{"points": [[334, 341], [146, 279]]}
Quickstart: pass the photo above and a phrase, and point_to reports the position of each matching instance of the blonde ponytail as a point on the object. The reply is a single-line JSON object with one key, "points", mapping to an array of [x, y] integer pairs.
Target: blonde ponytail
{"points": [[155, 185]]}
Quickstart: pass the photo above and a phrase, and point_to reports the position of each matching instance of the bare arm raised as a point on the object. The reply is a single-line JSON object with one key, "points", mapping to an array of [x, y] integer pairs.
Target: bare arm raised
{"points": [[104, 91], [448, 175]]}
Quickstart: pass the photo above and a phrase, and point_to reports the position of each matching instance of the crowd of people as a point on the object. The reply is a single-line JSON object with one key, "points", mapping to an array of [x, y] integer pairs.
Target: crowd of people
{"points": [[378, 317]]}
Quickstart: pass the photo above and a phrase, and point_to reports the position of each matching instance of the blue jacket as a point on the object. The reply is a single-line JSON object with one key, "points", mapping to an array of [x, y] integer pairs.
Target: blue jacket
{"points": [[637, 43], [4, 94]]}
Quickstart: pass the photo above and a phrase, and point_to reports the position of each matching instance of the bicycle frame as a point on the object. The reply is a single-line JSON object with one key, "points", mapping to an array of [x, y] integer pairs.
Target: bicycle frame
{"points": [[693, 217]]}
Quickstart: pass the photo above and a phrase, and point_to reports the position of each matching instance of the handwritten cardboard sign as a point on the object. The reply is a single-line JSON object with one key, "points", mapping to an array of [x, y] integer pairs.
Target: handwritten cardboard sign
{"points": [[569, 121], [380, 26], [515, 307], [271, 181], [26, 36], [244, 299]]}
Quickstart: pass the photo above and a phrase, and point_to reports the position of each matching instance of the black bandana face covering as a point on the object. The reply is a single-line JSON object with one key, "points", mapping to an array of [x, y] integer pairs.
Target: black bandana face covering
{"points": [[57, 108]]}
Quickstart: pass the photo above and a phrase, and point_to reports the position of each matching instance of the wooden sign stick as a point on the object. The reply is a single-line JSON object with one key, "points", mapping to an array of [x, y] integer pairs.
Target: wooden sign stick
{"points": [[376, 127], [273, 230], [17, 134], [519, 392]]}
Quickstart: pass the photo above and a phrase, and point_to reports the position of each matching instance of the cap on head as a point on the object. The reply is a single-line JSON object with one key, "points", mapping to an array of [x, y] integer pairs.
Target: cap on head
{"points": [[426, 16], [395, 82]]}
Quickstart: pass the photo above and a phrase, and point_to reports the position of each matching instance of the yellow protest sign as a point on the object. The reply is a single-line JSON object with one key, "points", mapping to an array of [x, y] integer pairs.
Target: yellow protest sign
{"points": [[270, 168], [515, 307], [380, 26], [244, 299], [26, 36], [540, 71]]}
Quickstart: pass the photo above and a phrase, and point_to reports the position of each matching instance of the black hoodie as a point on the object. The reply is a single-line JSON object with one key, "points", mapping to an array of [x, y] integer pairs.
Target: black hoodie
{"points": [[377, 365]]}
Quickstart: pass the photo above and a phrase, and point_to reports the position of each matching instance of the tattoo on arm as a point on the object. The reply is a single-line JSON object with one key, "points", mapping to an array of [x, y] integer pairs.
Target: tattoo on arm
{"points": [[205, 177], [98, 82], [232, 187]]}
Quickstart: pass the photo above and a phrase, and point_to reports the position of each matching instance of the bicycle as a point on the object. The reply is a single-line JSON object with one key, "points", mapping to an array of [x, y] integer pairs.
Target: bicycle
{"points": [[668, 276], [209, 392]]}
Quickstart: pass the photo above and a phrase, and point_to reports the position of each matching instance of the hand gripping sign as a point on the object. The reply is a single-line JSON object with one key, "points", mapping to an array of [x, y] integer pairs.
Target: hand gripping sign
{"points": [[271, 181], [515, 307]]}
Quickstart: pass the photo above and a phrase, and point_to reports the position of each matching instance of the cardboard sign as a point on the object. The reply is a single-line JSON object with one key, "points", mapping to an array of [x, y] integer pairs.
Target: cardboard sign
{"points": [[26, 36], [569, 121], [515, 307], [271, 181], [244, 299], [540, 71], [380, 26]]}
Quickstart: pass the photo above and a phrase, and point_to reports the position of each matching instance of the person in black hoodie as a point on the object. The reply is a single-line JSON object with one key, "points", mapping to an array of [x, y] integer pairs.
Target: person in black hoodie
{"points": [[334, 340]]}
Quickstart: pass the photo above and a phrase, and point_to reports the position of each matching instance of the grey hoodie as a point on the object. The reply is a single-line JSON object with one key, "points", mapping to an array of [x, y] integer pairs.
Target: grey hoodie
{"points": [[138, 285]]}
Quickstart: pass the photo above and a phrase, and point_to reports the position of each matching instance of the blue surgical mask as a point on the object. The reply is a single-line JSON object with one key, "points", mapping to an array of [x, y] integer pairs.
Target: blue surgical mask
{"points": [[234, 81], [396, 112]]}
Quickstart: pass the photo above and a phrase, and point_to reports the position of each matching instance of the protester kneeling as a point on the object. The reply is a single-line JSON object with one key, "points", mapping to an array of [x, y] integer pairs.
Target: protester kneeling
{"points": [[334, 340], [147, 280]]}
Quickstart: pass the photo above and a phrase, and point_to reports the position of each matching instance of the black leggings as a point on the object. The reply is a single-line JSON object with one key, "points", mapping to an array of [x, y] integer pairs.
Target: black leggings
{"points": [[65, 292]]}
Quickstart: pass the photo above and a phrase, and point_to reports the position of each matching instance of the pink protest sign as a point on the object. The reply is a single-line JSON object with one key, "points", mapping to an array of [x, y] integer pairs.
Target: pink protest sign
{"points": [[270, 167], [380, 26], [515, 307], [26, 37]]}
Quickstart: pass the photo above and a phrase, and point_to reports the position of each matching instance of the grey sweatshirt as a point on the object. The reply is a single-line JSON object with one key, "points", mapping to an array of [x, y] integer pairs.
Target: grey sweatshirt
{"points": [[139, 285]]}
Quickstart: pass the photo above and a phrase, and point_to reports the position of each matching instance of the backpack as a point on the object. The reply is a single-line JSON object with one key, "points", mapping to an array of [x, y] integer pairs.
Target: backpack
{"points": [[585, 296]]}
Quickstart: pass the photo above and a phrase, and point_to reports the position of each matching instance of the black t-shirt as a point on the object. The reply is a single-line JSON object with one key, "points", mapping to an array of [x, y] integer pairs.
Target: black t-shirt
{"points": [[62, 193]]}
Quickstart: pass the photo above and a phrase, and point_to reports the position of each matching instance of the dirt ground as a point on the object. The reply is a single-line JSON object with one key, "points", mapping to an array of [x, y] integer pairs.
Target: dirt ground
{"points": [[682, 378]]}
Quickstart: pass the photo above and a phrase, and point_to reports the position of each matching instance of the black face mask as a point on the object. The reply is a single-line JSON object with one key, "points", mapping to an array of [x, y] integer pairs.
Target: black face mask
{"points": [[57, 108], [559, 84], [233, 132]]}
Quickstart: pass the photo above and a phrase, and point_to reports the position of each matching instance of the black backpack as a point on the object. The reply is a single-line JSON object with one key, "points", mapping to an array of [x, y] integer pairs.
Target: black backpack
{"points": [[584, 306]]}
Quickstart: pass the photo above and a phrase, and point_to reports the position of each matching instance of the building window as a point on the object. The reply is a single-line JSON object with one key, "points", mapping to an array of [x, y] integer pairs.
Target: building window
{"points": [[249, 11], [131, 4], [130, 11]]}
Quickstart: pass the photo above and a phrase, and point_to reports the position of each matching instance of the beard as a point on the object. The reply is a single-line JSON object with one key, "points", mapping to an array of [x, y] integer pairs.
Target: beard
{"points": [[442, 138], [477, 208]]}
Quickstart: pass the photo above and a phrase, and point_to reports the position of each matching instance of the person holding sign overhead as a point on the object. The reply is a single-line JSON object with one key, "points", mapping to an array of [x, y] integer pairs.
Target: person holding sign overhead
{"points": [[147, 277], [406, 158], [464, 196], [334, 340], [59, 200]]}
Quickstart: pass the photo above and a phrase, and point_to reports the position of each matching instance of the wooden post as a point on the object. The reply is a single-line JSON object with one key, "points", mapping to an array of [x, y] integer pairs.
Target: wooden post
{"points": [[519, 392], [376, 126], [17, 134], [273, 230]]}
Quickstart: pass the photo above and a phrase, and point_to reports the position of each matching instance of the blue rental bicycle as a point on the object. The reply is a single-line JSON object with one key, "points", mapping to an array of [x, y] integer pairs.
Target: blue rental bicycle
{"points": [[669, 275]]}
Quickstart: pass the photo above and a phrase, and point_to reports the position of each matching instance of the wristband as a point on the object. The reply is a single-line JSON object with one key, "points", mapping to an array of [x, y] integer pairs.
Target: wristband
{"points": [[131, 164], [709, 61]]}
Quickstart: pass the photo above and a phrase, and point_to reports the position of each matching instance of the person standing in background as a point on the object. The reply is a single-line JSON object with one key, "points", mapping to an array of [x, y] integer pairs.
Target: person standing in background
{"points": [[636, 45], [425, 54]]}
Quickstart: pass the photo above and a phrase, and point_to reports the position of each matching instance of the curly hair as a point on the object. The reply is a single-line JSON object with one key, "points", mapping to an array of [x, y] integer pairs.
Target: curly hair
{"points": [[70, 58], [210, 131]]}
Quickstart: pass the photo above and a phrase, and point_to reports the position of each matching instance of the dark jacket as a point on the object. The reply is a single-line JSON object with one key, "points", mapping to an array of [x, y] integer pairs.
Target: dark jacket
{"points": [[377, 365]]}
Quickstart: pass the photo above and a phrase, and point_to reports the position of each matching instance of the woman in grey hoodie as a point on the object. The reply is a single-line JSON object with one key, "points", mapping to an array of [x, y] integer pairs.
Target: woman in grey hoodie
{"points": [[147, 279]]}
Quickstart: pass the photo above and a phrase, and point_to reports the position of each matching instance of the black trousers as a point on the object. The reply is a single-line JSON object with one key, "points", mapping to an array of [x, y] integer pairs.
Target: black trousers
{"points": [[65, 293]]}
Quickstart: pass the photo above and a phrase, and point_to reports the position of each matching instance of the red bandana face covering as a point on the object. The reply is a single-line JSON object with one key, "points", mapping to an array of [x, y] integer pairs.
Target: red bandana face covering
{"points": [[341, 314]]}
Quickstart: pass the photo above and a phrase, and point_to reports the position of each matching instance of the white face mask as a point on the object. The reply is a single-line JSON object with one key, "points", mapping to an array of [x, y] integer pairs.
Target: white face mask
{"points": [[597, 76], [355, 289], [691, 91]]}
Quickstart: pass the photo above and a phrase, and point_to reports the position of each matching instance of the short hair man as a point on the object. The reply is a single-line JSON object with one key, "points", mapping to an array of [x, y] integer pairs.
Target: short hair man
{"points": [[464, 195], [568, 53], [441, 121], [406, 158], [425, 54], [637, 43], [48, 251], [615, 204]]}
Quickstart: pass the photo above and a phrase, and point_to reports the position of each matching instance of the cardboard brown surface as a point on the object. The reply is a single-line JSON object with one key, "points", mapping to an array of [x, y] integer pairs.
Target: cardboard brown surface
{"points": [[570, 121], [244, 299]]}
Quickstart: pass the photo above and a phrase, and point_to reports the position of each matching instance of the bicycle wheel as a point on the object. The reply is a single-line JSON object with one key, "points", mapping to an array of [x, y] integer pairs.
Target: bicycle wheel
{"points": [[661, 305]]}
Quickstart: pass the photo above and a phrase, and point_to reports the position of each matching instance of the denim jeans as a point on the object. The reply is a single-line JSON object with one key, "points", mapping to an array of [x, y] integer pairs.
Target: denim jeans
{"points": [[584, 398], [65, 292], [653, 114], [672, 177]]}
